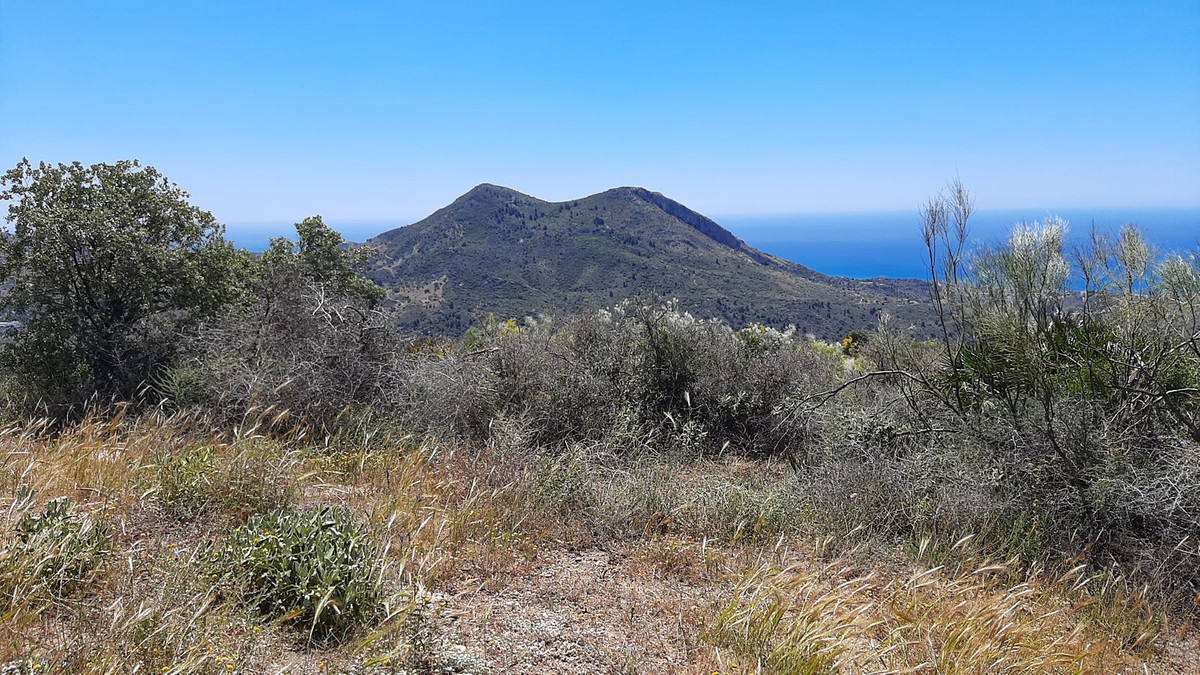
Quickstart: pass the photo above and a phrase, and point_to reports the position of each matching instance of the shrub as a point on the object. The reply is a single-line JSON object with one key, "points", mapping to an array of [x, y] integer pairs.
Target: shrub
{"points": [[57, 550], [183, 480], [255, 476], [1084, 402], [182, 386], [318, 569], [674, 380], [309, 338]]}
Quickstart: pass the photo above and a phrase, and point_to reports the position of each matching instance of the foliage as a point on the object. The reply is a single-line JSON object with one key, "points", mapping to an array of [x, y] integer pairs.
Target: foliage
{"points": [[56, 550], [107, 266], [318, 570], [639, 372], [183, 479], [319, 256], [182, 386], [497, 251], [1085, 403], [256, 477], [732, 549], [1047, 427], [904, 438], [309, 337], [853, 343]]}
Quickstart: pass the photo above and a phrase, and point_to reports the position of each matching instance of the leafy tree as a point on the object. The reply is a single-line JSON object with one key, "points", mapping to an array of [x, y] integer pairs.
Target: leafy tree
{"points": [[319, 257], [106, 266]]}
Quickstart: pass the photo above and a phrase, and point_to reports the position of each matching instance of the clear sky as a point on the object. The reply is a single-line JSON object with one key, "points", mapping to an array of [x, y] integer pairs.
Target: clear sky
{"points": [[388, 110]]}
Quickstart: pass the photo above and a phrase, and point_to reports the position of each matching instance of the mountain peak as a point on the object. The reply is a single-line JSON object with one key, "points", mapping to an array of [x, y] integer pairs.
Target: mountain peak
{"points": [[498, 251], [703, 224], [630, 191], [486, 192], [489, 188]]}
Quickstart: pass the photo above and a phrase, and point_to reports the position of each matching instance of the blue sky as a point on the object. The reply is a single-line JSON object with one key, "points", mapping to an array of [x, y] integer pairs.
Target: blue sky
{"points": [[387, 110]]}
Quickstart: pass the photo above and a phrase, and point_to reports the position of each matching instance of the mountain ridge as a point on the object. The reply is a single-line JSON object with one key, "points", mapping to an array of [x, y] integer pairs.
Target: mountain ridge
{"points": [[495, 250]]}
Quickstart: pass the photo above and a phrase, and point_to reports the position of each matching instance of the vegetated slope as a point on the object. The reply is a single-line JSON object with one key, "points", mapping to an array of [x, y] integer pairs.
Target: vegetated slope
{"points": [[497, 251]]}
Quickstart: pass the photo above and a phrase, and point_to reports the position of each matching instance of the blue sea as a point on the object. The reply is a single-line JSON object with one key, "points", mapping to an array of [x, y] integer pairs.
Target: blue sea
{"points": [[858, 245], [865, 245]]}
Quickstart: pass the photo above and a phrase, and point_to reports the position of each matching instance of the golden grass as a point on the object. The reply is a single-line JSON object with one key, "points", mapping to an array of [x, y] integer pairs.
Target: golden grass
{"points": [[453, 517], [837, 616]]}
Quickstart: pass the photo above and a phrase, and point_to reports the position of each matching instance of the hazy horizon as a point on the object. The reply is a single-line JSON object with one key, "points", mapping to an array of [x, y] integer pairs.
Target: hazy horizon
{"points": [[857, 244]]}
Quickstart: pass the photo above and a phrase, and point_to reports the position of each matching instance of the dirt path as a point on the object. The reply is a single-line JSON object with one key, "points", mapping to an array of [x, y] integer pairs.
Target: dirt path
{"points": [[582, 612]]}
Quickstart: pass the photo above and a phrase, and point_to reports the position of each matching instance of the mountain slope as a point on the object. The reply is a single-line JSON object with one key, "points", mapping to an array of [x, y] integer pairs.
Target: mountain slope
{"points": [[497, 251]]}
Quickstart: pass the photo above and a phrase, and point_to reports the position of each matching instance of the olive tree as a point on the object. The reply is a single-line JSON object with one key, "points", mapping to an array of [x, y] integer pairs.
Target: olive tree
{"points": [[106, 266]]}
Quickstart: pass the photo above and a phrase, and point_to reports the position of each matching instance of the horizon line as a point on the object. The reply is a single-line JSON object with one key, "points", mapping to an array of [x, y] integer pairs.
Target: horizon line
{"points": [[736, 214]]}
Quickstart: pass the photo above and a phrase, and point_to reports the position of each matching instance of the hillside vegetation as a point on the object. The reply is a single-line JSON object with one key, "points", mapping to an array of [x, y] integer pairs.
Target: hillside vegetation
{"points": [[495, 251], [295, 485]]}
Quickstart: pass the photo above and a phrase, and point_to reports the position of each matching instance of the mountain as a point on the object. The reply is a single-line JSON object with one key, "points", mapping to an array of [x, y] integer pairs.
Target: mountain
{"points": [[497, 251]]}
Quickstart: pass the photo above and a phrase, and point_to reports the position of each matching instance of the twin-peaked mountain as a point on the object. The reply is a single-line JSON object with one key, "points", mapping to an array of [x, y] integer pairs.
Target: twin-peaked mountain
{"points": [[497, 251]]}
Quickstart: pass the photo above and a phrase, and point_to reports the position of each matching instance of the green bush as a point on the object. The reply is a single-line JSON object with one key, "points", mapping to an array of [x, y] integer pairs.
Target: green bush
{"points": [[318, 569], [255, 477], [183, 480], [57, 550], [182, 386]]}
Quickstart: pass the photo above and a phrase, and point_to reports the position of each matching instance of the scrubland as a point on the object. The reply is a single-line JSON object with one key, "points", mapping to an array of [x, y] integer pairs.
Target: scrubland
{"points": [[267, 476], [633, 490], [402, 555]]}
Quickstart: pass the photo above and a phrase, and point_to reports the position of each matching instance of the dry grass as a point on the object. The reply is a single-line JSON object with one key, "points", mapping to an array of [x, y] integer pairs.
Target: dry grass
{"points": [[840, 617], [711, 553]]}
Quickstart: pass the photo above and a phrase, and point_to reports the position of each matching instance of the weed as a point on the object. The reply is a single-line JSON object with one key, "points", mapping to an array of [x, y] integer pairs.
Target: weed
{"points": [[319, 570], [57, 550], [183, 480], [257, 477], [992, 618]]}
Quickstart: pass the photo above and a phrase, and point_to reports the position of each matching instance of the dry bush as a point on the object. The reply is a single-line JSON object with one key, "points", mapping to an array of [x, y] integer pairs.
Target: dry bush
{"points": [[670, 379], [312, 356]]}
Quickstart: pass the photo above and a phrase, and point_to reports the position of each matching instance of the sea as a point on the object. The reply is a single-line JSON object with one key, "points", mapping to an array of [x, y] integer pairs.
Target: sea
{"points": [[857, 245], [889, 244]]}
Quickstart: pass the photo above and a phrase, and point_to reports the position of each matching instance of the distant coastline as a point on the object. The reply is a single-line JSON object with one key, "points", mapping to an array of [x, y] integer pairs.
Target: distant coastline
{"points": [[866, 245], [856, 245]]}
